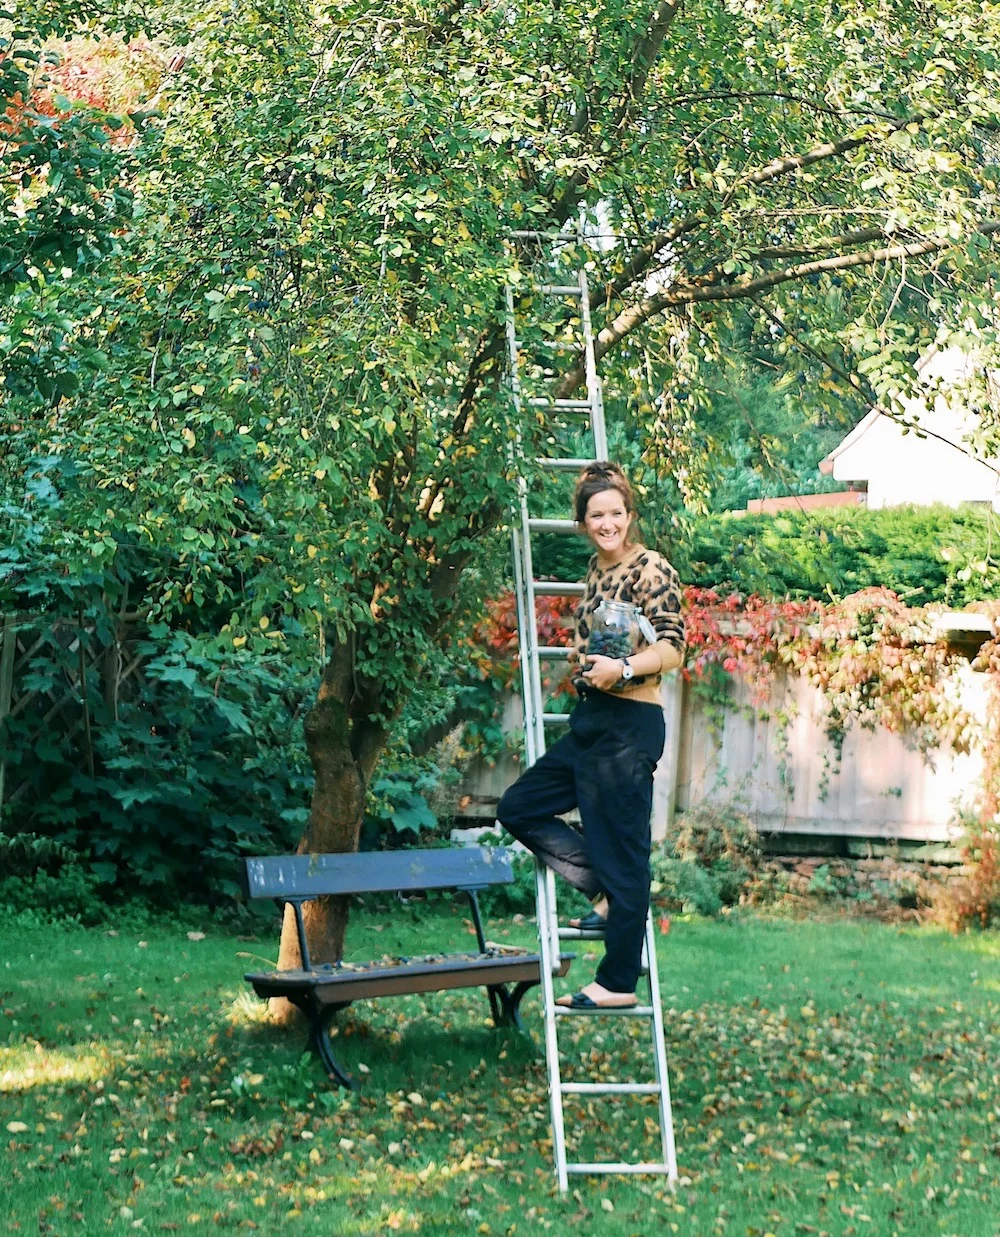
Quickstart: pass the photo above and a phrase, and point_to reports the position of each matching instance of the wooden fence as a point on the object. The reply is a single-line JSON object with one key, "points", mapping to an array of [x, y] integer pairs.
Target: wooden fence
{"points": [[81, 672], [786, 778]]}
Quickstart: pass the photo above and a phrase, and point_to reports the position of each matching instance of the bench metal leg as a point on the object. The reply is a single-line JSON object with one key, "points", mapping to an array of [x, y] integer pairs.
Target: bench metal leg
{"points": [[510, 1003], [320, 1017]]}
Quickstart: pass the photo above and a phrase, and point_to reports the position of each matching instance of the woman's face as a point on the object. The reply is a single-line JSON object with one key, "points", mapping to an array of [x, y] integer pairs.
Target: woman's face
{"points": [[606, 524]]}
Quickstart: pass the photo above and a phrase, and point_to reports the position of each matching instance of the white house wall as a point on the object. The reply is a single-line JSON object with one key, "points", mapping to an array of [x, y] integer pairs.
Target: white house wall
{"points": [[904, 468]]}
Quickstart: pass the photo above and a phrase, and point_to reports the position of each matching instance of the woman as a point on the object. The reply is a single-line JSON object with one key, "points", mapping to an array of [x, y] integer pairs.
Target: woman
{"points": [[604, 765]]}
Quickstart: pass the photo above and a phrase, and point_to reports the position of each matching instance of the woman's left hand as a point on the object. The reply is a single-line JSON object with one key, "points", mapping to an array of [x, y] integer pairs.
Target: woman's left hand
{"points": [[603, 672]]}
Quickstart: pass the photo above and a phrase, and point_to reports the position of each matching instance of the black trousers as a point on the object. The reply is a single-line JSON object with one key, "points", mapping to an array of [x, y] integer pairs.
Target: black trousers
{"points": [[604, 767]]}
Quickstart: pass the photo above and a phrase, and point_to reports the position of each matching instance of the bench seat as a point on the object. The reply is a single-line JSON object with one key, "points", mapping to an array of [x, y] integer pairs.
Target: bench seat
{"points": [[339, 986]]}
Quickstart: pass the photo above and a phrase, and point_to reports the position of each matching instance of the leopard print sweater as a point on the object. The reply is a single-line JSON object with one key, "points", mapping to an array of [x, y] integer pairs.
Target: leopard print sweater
{"points": [[645, 579]]}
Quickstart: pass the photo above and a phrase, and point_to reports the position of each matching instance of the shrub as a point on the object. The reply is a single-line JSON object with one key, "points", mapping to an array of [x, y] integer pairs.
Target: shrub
{"points": [[203, 764], [682, 885], [929, 554], [518, 898], [974, 902], [719, 841], [44, 877]]}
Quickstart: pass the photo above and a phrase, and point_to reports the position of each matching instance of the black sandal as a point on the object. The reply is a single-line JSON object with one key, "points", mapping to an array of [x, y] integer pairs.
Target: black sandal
{"points": [[580, 1000], [590, 923]]}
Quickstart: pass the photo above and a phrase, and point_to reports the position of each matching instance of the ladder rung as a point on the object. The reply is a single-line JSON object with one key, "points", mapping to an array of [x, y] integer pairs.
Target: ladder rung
{"points": [[610, 1088], [563, 463], [621, 1011], [555, 719], [560, 405], [617, 1168], [557, 588], [552, 526], [580, 934], [560, 289], [554, 650]]}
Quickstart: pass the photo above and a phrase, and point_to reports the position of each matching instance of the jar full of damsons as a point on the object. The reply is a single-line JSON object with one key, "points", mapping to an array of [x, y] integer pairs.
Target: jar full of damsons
{"points": [[619, 629]]}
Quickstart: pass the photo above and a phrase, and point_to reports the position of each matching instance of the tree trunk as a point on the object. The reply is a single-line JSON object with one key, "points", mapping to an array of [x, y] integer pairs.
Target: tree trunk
{"points": [[335, 817], [344, 743]]}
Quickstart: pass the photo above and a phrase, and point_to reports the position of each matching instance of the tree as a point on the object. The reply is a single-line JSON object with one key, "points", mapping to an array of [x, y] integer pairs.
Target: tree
{"points": [[294, 406], [63, 195]]}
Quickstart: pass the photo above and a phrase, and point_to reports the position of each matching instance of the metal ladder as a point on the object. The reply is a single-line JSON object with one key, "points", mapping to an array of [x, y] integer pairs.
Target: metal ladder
{"points": [[527, 588]]}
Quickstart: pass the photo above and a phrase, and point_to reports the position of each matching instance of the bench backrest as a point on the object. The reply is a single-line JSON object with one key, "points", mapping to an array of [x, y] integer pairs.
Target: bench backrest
{"points": [[399, 871]]}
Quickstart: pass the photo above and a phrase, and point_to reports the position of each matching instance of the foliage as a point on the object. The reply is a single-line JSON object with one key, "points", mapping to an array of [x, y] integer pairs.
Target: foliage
{"points": [[44, 877], [721, 840], [682, 885], [399, 803], [517, 898], [199, 765], [988, 661], [924, 554], [305, 444], [65, 193], [273, 411], [875, 661], [707, 860]]}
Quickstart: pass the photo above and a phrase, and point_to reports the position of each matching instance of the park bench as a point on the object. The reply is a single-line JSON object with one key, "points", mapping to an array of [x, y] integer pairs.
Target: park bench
{"points": [[321, 990]]}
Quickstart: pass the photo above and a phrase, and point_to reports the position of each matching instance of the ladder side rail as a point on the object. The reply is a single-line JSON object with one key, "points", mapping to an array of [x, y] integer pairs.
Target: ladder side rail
{"points": [[531, 687], [531, 668], [594, 393], [531, 680], [660, 1056], [534, 741], [527, 624], [548, 962]]}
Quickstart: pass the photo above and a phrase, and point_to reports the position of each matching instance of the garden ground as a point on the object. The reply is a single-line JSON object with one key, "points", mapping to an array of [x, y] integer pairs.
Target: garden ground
{"points": [[837, 1078]]}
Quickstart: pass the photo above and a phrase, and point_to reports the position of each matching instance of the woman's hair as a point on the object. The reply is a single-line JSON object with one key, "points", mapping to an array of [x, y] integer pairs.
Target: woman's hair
{"points": [[595, 479]]}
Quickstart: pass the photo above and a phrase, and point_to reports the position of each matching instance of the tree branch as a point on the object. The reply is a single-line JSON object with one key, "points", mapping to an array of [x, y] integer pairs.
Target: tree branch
{"points": [[864, 390], [785, 96], [641, 260], [862, 237], [860, 385], [748, 287], [643, 58]]}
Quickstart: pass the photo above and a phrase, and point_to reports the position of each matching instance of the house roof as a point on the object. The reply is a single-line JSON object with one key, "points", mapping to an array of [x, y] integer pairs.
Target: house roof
{"points": [[862, 427]]}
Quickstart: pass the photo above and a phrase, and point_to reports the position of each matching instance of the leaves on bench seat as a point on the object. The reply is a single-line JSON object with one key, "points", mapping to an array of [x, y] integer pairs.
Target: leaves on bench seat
{"points": [[389, 961]]}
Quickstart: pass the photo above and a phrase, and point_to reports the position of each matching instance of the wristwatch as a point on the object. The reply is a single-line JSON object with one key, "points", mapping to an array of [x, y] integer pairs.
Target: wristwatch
{"points": [[627, 671]]}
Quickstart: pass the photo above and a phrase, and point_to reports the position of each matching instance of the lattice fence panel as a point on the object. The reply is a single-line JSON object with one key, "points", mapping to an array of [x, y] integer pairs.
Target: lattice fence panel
{"points": [[58, 678]]}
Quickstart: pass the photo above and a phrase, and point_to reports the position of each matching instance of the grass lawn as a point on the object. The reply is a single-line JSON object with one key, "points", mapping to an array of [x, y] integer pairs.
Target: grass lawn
{"points": [[839, 1078]]}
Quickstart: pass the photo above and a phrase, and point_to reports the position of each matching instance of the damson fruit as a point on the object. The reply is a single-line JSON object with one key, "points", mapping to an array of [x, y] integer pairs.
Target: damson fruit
{"points": [[610, 643]]}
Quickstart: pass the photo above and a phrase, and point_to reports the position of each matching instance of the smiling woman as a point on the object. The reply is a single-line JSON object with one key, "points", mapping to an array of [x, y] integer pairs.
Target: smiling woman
{"points": [[604, 765]]}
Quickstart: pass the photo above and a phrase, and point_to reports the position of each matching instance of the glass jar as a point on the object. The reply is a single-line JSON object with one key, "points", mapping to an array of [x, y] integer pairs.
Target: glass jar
{"points": [[618, 629]]}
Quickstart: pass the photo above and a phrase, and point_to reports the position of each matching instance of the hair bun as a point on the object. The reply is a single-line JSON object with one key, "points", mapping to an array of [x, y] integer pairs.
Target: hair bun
{"points": [[603, 468]]}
